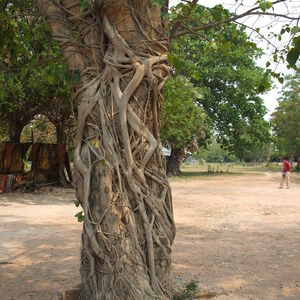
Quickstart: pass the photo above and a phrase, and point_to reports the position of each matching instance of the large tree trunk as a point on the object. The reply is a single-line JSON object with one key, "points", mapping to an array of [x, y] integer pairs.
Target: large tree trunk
{"points": [[61, 138], [119, 175], [174, 161], [15, 128]]}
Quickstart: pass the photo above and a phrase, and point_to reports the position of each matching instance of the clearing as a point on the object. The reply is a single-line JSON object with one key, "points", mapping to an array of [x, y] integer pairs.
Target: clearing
{"points": [[237, 235]]}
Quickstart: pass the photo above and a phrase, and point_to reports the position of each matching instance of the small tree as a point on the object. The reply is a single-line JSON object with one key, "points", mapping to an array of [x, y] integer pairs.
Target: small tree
{"points": [[285, 119], [182, 120]]}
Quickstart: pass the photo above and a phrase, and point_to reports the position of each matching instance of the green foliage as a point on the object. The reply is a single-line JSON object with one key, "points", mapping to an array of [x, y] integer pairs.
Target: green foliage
{"points": [[286, 118], [215, 153], [157, 2], [188, 292], [287, 53], [182, 119], [84, 4], [222, 62], [293, 54], [80, 216], [33, 72], [265, 5]]}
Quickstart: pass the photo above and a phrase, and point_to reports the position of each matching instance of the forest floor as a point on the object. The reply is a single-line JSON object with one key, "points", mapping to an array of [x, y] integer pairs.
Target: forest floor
{"points": [[238, 236]]}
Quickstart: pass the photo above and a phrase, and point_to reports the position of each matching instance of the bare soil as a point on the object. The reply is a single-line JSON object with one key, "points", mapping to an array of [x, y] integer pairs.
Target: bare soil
{"points": [[237, 235]]}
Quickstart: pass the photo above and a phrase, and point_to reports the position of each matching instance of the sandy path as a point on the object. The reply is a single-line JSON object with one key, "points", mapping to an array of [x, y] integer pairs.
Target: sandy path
{"points": [[40, 241], [238, 234]]}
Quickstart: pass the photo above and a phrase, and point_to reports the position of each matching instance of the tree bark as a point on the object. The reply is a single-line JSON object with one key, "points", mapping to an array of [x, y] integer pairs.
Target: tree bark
{"points": [[61, 137], [15, 128], [119, 174], [174, 162]]}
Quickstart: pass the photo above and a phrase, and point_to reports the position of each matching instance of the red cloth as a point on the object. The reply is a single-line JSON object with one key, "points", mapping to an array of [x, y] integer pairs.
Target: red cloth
{"points": [[286, 166]]}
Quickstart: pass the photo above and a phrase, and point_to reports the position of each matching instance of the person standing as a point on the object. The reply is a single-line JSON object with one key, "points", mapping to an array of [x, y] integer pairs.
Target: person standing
{"points": [[285, 177]]}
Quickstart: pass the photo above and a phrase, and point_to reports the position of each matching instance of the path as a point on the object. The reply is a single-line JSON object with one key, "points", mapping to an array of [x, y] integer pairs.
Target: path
{"points": [[238, 234]]}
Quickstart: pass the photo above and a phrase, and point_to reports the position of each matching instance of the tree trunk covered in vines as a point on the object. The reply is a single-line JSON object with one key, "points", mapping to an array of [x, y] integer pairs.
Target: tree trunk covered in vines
{"points": [[119, 174], [174, 161]]}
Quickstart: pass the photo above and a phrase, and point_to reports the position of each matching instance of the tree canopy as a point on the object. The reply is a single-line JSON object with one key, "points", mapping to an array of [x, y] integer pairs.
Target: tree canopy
{"points": [[286, 118], [182, 119], [184, 125], [221, 62], [33, 73]]}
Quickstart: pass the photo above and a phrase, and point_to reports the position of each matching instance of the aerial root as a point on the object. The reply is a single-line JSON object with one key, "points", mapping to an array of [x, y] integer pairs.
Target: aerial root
{"points": [[131, 197]]}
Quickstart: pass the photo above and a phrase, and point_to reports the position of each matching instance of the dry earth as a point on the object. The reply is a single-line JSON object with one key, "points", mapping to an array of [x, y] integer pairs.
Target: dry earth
{"points": [[238, 235]]}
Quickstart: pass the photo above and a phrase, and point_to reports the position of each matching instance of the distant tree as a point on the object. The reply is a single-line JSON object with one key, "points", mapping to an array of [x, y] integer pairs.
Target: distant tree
{"points": [[183, 120], [286, 118], [215, 153]]}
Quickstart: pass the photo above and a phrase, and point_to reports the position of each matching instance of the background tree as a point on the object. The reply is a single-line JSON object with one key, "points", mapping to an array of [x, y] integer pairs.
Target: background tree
{"points": [[285, 119], [183, 120], [222, 62], [214, 153], [33, 74]]}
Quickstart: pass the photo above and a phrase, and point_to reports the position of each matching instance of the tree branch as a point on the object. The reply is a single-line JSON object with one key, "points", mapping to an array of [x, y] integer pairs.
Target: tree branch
{"points": [[182, 18], [252, 11], [62, 33]]}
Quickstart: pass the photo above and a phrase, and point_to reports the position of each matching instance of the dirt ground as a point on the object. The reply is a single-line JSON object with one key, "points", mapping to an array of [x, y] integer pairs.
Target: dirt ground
{"points": [[238, 235]]}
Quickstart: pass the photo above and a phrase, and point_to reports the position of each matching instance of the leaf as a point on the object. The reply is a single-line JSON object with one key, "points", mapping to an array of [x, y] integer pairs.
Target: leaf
{"points": [[295, 30], [292, 56], [76, 202], [51, 78], [23, 72], [83, 5], [157, 2], [185, 9], [60, 71], [170, 58], [265, 5], [164, 15], [95, 142], [80, 216], [281, 80], [76, 77]]}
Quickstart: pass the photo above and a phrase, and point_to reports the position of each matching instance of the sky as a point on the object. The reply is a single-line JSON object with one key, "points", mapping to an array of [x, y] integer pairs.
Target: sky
{"points": [[292, 7]]}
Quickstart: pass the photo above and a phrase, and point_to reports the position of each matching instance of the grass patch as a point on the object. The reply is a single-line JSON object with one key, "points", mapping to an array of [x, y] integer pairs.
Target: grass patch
{"points": [[189, 290], [212, 170]]}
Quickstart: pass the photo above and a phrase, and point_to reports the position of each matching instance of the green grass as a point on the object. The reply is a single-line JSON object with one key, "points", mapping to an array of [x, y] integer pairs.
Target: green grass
{"points": [[212, 170], [187, 292]]}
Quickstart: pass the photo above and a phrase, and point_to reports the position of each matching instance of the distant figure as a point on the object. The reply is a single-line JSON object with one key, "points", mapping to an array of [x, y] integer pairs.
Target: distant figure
{"points": [[285, 177]]}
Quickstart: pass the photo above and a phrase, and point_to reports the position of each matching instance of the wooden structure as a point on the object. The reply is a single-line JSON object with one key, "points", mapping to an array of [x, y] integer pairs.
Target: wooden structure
{"points": [[49, 163]]}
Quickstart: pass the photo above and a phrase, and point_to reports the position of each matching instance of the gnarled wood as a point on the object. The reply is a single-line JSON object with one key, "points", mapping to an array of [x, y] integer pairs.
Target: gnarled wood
{"points": [[119, 175]]}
